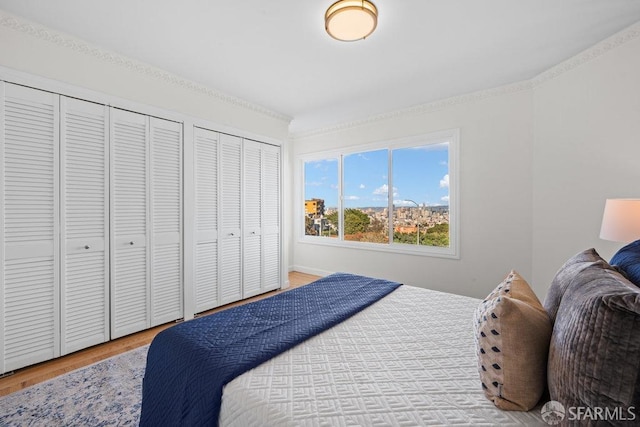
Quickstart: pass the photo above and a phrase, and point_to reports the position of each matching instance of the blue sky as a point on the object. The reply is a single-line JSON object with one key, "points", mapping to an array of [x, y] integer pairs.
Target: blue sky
{"points": [[419, 174]]}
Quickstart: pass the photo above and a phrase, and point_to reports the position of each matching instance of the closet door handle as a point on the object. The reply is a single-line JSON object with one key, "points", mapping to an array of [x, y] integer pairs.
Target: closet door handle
{"points": [[87, 247], [231, 234], [131, 243]]}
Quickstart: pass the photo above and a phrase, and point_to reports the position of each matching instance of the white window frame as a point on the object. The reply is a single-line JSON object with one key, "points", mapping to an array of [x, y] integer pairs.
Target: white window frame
{"points": [[451, 136]]}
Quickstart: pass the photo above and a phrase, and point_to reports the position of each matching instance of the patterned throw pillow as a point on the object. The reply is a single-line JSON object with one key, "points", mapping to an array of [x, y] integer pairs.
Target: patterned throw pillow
{"points": [[512, 336], [627, 259]]}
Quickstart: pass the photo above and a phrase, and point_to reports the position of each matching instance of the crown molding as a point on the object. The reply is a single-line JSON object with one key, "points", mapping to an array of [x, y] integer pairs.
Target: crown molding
{"points": [[630, 33], [43, 33], [67, 41], [419, 109], [610, 43]]}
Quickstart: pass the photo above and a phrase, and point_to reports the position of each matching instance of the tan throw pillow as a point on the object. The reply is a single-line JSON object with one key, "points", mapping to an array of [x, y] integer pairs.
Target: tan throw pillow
{"points": [[513, 332]]}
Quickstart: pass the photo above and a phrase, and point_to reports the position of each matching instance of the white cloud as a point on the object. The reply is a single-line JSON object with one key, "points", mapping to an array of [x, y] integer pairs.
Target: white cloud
{"points": [[362, 186], [444, 182], [313, 183], [352, 198], [384, 191], [445, 198]]}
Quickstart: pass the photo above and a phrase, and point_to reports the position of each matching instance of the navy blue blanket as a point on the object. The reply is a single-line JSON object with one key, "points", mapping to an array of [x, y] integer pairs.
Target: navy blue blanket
{"points": [[189, 364]]}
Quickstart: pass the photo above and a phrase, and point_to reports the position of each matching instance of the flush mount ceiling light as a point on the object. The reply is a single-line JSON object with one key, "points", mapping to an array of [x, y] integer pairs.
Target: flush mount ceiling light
{"points": [[351, 20]]}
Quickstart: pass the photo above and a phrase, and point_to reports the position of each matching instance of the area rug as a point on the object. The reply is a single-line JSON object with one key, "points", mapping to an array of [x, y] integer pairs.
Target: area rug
{"points": [[107, 393]]}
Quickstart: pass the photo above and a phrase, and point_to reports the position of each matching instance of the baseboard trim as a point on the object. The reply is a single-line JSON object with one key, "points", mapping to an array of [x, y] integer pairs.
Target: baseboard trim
{"points": [[309, 270]]}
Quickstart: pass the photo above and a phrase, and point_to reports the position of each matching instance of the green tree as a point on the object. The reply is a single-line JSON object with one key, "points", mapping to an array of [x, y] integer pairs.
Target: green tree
{"points": [[333, 218], [355, 221], [437, 235], [408, 238], [439, 228]]}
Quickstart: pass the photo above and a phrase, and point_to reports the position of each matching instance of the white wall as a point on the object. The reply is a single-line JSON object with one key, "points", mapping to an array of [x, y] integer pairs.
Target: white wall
{"points": [[495, 194], [43, 52], [35, 55], [536, 164], [586, 149]]}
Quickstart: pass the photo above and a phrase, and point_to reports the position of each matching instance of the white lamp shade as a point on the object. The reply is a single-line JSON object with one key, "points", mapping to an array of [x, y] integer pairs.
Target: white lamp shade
{"points": [[350, 20], [621, 220]]}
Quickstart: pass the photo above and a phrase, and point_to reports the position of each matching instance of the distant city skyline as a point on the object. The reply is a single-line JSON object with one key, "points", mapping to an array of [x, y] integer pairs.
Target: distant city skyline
{"points": [[420, 174]]}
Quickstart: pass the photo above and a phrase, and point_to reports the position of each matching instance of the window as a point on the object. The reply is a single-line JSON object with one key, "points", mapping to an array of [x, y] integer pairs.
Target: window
{"points": [[398, 196], [321, 190], [365, 197]]}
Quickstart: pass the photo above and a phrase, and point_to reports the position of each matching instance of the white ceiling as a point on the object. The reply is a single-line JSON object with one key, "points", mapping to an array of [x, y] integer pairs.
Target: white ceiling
{"points": [[276, 53]]}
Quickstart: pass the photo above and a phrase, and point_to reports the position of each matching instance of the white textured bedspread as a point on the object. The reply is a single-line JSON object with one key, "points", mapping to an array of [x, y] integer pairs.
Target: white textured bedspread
{"points": [[407, 360]]}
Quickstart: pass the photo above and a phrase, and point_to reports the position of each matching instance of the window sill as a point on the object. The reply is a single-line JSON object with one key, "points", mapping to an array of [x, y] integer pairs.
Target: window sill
{"points": [[398, 248]]}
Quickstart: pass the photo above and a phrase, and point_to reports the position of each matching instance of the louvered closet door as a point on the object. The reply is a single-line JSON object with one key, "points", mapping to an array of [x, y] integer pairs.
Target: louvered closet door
{"points": [[166, 221], [271, 250], [29, 218], [84, 187], [231, 199], [206, 205], [252, 230], [129, 221]]}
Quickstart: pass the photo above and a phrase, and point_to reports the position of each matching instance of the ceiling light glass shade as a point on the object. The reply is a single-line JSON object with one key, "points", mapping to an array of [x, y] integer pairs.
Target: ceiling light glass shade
{"points": [[621, 220], [350, 20]]}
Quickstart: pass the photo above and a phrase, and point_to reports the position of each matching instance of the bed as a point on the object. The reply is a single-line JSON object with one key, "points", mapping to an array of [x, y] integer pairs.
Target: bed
{"points": [[409, 359], [406, 358], [399, 355]]}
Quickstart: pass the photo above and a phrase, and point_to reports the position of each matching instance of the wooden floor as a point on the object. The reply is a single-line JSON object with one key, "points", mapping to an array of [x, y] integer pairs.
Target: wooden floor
{"points": [[29, 376]]}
